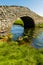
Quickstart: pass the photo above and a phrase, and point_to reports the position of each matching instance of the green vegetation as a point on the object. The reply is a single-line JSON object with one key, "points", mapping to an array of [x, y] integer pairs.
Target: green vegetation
{"points": [[0, 37], [39, 25], [13, 54], [19, 22]]}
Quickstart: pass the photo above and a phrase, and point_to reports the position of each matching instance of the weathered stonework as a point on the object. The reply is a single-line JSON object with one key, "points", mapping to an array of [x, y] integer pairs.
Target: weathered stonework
{"points": [[8, 14]]}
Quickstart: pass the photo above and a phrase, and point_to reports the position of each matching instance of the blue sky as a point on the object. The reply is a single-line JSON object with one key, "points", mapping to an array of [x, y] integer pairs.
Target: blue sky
{"points": [[34, 5]]}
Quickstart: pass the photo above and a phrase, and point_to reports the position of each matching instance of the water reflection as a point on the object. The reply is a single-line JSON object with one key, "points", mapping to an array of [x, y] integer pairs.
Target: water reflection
{"points": [[29, 33], [17, 31], [34, 35], [38, 40]]}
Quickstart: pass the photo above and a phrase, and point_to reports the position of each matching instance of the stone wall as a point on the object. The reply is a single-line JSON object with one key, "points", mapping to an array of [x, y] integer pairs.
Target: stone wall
{"points": [[8, 14]]}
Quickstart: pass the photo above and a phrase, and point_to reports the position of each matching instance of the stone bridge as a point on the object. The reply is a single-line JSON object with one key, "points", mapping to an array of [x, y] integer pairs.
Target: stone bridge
{"points": [[8, 15]]}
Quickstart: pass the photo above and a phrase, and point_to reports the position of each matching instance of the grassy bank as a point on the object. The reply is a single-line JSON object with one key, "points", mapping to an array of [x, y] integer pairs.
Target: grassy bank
{"points": [[19, 22], [39, 25], [13, 54]]}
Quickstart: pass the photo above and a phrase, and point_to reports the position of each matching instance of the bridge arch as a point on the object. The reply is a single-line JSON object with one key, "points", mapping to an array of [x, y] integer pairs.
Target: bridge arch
{"points": [[28, 22]]}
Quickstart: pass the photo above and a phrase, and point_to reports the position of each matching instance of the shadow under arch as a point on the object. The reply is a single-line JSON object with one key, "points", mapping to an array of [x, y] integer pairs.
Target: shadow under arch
{"points": [[28, 22], [29, 25]]}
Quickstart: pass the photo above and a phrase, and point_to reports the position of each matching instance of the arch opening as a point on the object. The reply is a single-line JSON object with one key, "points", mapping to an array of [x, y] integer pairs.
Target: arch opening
{"points": [[28, 22]]}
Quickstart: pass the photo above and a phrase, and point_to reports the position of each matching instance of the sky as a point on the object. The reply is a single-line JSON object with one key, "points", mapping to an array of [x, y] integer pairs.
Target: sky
{"points": [[34, 5]]}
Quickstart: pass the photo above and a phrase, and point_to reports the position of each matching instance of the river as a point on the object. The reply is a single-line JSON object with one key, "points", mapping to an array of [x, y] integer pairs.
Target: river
{"points": [[36, 35]]}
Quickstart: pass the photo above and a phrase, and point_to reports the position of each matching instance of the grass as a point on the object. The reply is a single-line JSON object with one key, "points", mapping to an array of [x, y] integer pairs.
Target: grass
{"points": [[13, 54], [39, 25], [19, 22]]}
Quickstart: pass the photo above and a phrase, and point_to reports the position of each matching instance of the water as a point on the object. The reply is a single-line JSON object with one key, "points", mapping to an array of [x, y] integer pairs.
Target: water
{"points": [[37, 40], [17, 31], [35, 35]]}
